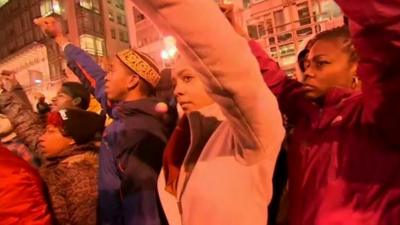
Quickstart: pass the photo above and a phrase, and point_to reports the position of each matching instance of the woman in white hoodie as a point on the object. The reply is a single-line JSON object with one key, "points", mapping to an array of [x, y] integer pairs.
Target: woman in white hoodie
{"points": [[219, 162]]}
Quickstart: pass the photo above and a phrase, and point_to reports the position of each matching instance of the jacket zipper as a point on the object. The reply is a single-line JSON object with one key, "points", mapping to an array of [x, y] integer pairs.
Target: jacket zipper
{"points": [[179, 203]]}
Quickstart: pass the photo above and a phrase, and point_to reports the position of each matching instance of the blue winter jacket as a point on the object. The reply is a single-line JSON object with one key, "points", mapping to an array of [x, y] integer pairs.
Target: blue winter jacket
{"points": [[130, 154]]}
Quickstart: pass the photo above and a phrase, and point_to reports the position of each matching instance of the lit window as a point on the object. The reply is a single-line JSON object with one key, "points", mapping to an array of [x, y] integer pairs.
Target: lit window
{"points": [[93, 45], [90, 4], [273, 52], [99, 46], [86, 4], [3, 2], [286, 50], [48, 7], [328, 11]]}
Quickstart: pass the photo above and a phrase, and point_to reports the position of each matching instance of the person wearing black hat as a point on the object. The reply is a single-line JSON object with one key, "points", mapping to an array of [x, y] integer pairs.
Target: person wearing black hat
{"points": [[71, 163], [15, 104]]}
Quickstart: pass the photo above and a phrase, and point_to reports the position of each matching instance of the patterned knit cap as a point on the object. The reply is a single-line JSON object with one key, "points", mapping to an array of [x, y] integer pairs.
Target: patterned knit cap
{"points": [[142, 64]]}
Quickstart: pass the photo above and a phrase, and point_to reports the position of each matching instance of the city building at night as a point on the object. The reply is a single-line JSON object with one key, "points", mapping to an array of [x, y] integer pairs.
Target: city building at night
{"points": [[97, 26], [115, 26], [280, 26], [143, 35]]}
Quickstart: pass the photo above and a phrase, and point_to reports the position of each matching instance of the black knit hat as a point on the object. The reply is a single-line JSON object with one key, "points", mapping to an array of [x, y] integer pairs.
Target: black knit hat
{"points": [[80, 125], [77, 90]]}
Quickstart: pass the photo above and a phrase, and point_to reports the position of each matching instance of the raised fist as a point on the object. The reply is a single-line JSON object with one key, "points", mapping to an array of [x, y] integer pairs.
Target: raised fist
{"points": [[50, 26]]}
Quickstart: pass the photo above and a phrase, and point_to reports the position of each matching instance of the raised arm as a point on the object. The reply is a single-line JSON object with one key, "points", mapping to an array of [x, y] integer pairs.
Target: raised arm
{"points": [[79, 61], [289, 92], [26, 123], [228, 69], [375, 28], [88, 72]]}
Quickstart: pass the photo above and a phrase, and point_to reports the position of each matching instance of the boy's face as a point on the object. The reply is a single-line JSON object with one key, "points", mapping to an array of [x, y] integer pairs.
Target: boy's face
{"points": [[119, 81], [53, 142], [61, 101], [189, 90]]}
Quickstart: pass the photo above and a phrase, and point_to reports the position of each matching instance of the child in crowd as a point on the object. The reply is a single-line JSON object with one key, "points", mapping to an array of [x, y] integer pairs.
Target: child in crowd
{"points": [[71, 164]]}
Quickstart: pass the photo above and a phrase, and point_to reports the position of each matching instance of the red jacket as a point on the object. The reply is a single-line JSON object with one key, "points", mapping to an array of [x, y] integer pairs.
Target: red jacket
{"points": [[344, 158], [22, 199]]}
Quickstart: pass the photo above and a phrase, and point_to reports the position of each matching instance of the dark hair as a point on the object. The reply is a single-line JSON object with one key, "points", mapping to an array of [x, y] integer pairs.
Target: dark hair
{"points": [[145, 87], [77, 90], [343, 35], [301, 58]]}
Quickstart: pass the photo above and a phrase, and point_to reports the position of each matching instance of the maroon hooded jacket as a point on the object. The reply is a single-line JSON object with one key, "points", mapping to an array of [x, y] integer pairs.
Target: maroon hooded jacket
{"points": [[344, 157], [22, 198]]}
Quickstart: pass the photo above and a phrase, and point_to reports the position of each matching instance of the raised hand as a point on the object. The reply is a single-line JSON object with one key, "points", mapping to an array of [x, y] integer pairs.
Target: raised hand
{"points": [[50, 26], [7, 80]]}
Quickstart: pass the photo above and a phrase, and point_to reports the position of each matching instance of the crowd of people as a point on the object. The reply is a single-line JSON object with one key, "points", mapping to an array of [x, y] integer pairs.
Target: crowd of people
{"points": [[223, 161]]}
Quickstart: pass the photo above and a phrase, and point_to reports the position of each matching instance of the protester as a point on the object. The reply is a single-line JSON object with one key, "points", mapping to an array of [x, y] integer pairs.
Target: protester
{"points": [[71, 164], [26, 126], [70, 156], [221, 171], [132, 146], [26, 123], [22, 196], [343, 153], [71, 95], [42, 106]]}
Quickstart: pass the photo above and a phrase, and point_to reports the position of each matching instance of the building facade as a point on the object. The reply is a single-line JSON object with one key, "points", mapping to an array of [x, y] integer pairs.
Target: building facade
{"points": [[143, 35], [281, 26], [115, 26], [24, 47], [97, 26]]}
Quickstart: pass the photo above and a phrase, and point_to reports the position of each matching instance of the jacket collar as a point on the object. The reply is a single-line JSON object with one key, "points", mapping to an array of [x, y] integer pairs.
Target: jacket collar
{"points": [[337, 95], [331, 112], [71, 152], [141, 106], [192, 132]]}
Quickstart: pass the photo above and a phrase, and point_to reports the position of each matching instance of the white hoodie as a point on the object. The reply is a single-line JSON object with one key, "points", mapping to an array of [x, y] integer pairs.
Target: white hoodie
{"points": [[231, 182]]}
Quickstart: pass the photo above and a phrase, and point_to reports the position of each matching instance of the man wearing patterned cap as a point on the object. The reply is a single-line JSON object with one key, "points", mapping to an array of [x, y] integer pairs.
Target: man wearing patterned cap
{"points": [[132, 146]]}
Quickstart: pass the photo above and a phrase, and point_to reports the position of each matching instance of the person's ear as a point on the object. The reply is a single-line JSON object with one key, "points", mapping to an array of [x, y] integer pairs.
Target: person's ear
{"points": [[355, 82], [133, 82], [77, 101]]}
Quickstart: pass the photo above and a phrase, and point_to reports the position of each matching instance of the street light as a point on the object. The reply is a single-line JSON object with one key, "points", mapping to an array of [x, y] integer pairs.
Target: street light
{"points": [[170, 51], [37, 81]]}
